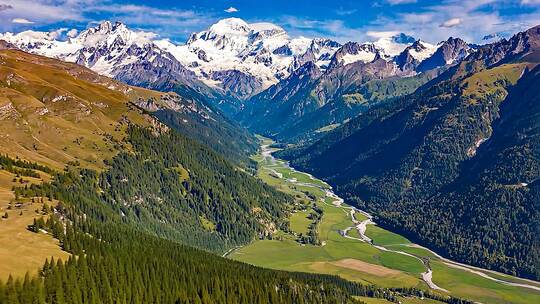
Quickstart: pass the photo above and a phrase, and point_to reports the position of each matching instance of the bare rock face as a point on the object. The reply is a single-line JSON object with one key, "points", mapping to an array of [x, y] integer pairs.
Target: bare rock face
{"points": [[450, 51], [237, 83], [156, 70], [354, 48], [406, 62], [521, 45], [298, 80], [4, 45]]}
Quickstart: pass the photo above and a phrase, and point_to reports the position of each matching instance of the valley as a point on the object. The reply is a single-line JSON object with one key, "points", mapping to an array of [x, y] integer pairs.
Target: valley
{"points": [[388, 169], [355, 248]]}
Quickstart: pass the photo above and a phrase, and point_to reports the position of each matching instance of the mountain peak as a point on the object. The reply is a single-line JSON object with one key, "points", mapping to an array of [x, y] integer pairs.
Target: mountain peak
{"points": [[230, 26], [107, 27], [107, 33]]}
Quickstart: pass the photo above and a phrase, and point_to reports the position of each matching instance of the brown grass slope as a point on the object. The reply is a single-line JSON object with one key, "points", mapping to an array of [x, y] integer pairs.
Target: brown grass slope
{"points": [[54, 112]]}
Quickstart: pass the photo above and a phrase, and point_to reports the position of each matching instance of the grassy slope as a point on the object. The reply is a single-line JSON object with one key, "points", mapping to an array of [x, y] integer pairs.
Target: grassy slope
{"points": [[53, 113], [22, 250], [401, 299]]}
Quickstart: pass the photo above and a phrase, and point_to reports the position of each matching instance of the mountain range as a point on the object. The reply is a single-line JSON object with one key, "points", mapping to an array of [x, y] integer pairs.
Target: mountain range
{"points": [[87, 166], [255, 73]]}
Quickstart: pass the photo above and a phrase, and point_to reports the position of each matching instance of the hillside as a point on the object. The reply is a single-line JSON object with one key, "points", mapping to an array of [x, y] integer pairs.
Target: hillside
{"points": [[420, 161], [58, 114]]}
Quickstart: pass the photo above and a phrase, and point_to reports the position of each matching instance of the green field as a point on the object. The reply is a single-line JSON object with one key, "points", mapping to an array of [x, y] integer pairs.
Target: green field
{"points": [[299, 222], [356, 260], [401, 299], [384, 237]]}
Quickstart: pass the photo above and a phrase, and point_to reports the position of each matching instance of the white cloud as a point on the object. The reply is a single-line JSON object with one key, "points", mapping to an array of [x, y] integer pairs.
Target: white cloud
{"points": [[40, 12], [451, 22], [231, 10], [530, 2], [396, 2], [21, 21], [345, 12], [467, 19], [168, 22], [470, 20], [72, 33], [381, 34], [57, 33]]}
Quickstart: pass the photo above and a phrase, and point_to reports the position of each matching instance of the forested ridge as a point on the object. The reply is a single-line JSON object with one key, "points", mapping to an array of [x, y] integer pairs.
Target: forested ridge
{"points": [[299, 109], [115, 261], [174, 187], [180, 188], [223, 136]]}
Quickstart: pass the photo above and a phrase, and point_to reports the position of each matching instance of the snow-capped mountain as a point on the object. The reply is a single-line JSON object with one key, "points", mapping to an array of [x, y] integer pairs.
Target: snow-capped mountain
{"points": [[448, 52], [104, 48], [113, 50], [261, 50], [232, 57], [359, 75], [393, 45], [352, 52], [414, 54]]}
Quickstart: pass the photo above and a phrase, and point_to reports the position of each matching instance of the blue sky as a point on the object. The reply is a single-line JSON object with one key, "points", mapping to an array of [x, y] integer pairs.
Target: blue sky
{"points": [[345, 20]]}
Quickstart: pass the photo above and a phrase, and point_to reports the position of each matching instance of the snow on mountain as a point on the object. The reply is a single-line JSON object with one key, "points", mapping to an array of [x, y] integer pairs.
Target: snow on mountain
{"points": [[491, 38], [261, 53], [233, 56], [263, 50], [388, 47], [42, 43], [352, 52], [104, 48], [421, 50], [393, 45]]}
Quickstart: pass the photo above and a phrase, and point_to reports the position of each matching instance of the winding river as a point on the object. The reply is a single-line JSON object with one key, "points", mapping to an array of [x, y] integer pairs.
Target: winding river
{"points": [[361, 227]]}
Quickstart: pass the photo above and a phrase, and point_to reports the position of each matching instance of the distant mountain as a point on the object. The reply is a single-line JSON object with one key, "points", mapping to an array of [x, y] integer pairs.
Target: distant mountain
{"points": [[231, 57], [454, 165], [262, 52], [448, 52], [358, 76], [254, 73], [108, 48]]}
